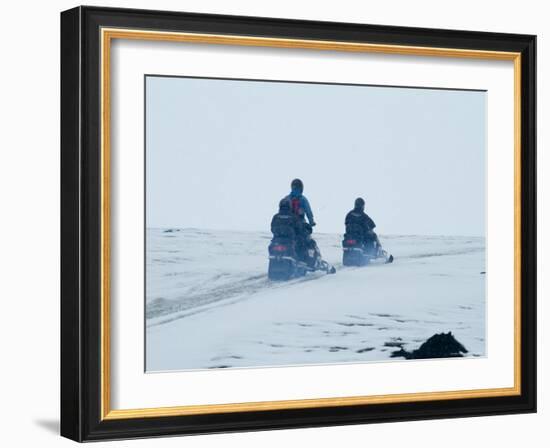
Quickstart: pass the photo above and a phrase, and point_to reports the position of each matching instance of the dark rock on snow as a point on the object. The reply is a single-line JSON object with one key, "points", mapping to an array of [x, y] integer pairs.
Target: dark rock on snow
{"points": [[442, 345], [366, 349]]}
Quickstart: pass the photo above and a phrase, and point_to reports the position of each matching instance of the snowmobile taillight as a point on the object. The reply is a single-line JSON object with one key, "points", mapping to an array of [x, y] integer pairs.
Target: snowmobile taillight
{"points": [[351, 241], [279, 248]]}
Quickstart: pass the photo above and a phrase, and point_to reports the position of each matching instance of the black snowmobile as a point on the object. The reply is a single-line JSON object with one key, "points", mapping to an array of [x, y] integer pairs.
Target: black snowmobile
{"points": [[362, 251], [292, 256]]}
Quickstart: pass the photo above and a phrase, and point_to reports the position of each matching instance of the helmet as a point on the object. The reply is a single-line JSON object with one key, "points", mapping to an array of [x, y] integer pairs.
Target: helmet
{"points": [[284, 205], [298, 185], [360, 204]]}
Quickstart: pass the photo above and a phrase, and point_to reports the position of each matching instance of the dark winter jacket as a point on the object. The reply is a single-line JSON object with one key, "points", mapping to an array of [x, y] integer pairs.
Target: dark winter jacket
{"points": [[359, 224], [300, 205], [284, 225]]}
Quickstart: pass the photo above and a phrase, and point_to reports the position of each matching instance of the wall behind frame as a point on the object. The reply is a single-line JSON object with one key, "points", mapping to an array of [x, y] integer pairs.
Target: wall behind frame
{"points": [[29, 235]]}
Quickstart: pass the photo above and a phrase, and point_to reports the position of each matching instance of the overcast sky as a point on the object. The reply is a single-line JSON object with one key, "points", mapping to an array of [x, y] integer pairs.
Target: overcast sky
{"points": [[220, 154]]}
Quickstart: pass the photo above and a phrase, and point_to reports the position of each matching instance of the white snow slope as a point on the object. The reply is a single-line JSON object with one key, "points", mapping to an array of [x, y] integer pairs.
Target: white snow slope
{"points": [[209, 303]]}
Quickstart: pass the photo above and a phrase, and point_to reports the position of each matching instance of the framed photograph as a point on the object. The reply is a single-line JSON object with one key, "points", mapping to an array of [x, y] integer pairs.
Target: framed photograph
{"points": [[272, 223]]}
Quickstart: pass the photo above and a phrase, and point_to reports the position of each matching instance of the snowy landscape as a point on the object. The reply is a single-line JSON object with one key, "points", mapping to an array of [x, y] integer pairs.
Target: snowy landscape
{"points": [[209, 303]]}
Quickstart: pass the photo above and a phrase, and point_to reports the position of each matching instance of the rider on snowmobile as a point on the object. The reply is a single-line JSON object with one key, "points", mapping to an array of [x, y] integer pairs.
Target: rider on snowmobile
{"points": [[299, 203], [360, 225], [301, 209], [283, 223], [298, 253]]}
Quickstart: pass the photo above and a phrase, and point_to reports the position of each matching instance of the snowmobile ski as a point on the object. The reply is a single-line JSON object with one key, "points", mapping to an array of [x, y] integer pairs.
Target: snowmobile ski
{"points": [[357, 253]]}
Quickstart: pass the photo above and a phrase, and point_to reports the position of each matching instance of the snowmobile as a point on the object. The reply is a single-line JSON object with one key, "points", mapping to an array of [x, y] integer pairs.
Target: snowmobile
{"points": [[361, 253], [291, 258]]}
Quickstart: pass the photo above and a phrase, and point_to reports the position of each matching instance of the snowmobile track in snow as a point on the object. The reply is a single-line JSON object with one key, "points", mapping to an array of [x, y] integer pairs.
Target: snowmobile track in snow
{"points": [[223, 295]]}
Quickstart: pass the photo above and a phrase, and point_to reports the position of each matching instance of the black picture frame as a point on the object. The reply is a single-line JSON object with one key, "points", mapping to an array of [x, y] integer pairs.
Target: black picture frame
{"points": [[81, 414]]}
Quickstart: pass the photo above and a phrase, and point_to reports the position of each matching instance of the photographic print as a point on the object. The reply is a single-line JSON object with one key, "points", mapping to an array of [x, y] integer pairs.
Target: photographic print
{"points": [[299, 223]]}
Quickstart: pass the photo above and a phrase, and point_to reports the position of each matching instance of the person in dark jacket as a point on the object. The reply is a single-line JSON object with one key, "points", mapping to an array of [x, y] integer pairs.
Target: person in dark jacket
{"points": [[360, 225], [283, 223]]}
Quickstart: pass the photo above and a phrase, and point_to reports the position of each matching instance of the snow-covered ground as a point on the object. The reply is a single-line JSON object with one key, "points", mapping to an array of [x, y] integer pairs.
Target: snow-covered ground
{"points": [[209, 303]]}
